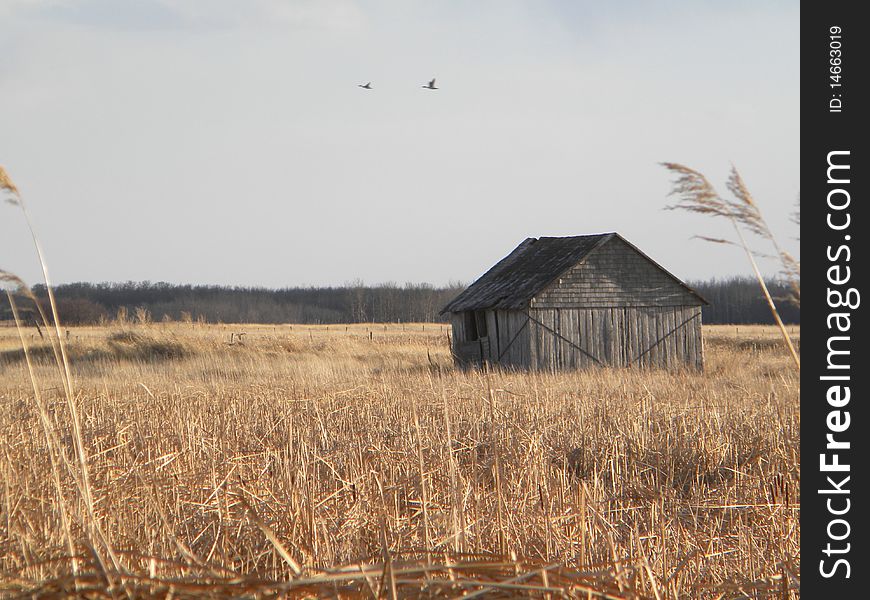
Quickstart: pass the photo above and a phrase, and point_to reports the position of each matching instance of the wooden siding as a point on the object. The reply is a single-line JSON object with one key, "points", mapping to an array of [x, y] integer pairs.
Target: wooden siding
{"points": [[464, 353], [619, 337], [576, 338], [615, 275], [506, 342], [511, 332]]}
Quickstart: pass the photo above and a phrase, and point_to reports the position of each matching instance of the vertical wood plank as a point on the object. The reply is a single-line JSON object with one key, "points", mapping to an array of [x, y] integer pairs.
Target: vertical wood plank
{"points": [[659, 357], [587, 322], [690, 340]]}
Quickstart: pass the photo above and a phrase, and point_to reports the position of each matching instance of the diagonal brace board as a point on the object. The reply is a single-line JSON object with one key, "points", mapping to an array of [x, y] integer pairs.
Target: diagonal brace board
{"points": [[513, 339], [566, 340], [666, 336]]}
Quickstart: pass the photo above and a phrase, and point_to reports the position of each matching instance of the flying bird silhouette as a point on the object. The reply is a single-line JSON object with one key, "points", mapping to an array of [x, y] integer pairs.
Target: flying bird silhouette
{"points": [[367, 86], [431, 85]]}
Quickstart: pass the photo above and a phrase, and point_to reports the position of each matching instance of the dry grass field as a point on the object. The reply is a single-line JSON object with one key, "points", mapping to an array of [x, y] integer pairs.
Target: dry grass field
{"points": [[296, 461]]}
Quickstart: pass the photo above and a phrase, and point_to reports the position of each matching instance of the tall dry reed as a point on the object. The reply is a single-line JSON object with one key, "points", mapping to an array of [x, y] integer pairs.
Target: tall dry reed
{"points": [[329, 451], [103, 546], [696, 194]]}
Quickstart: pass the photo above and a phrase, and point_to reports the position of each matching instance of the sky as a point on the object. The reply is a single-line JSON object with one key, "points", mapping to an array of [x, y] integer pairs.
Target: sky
{"points": [[226, 141]]}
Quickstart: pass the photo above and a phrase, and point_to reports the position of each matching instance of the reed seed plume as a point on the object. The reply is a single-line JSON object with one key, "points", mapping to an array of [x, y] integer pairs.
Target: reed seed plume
{"points": [[745, 210], [696, 194], [11, 278], [791, 265], [7, 184], [792, 271], [748, 213]]}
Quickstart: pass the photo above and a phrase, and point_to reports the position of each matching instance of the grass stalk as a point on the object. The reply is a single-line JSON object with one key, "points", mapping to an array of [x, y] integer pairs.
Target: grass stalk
{"points": [[698, 195], [67, 380], [52, 444], [770, 303]]}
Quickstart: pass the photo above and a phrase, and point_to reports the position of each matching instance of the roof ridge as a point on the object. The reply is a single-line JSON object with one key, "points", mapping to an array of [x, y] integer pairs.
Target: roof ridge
{"points": [[515, 279], [532, 266]]}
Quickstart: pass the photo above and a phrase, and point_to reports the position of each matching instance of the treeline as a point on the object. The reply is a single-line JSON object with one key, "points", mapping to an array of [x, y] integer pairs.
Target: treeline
{"points": [[84, 303], [735, 300], [738, 300]]}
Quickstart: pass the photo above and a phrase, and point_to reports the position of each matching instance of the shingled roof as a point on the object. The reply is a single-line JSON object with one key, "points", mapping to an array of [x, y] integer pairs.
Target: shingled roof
{"points": [[531, 267]]}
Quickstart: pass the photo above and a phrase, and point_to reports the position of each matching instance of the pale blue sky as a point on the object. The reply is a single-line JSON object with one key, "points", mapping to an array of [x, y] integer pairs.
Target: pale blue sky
{"points": [[226, 141]]}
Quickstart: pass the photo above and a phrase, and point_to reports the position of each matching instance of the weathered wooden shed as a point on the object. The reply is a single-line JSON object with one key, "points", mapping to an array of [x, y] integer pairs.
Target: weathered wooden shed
{"points": [[575, 302]]}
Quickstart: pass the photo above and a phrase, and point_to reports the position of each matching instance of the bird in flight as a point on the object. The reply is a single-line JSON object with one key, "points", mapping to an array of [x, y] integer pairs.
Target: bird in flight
{"points": [[431, 85], [367, 86]]}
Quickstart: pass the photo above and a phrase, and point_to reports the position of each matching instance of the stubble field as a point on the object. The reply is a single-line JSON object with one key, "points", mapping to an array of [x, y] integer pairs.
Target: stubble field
{"points": [[356, 461]]}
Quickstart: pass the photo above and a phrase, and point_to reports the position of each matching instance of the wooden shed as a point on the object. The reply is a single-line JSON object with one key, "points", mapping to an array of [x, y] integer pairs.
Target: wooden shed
{"points": [[576, 302]]}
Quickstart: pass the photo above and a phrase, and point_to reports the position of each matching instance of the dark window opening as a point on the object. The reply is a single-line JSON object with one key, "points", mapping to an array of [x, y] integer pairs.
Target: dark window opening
{"points": [[480, 316], [470, 327], [475, 325]]}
